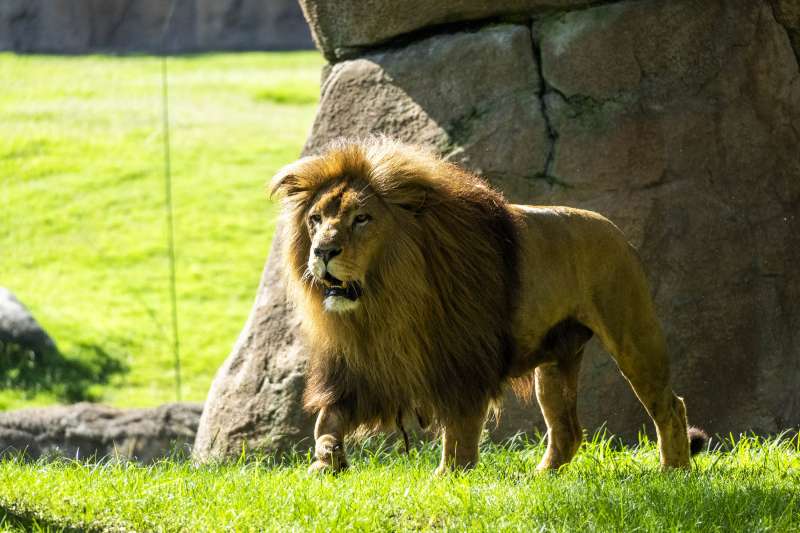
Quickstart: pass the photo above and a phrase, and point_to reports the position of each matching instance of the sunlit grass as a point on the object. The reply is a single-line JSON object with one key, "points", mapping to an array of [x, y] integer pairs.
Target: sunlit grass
{"points": [[82, 231], [748, 485]]}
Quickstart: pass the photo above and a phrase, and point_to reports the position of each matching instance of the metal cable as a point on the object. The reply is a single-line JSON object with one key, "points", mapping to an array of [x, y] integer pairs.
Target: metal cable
{"points": [[176, 352]]}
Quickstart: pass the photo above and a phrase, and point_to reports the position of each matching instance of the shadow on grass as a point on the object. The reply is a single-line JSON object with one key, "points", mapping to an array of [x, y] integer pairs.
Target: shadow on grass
{"points": [[25, 521], [68, 378]]}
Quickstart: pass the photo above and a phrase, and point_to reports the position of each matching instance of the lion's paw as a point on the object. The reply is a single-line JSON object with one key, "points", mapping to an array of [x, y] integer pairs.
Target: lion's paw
{"points": [[442, 470], [544, 469], [322, 468], [330, 456], [448, 468]]}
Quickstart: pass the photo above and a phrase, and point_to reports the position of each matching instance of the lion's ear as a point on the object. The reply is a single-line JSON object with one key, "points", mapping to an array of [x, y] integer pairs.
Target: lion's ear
{"points": [[289, 180]]}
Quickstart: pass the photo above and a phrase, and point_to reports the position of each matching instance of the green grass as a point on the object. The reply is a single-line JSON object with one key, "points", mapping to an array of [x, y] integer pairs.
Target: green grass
{"points": [[753, 486], [82, 221]]}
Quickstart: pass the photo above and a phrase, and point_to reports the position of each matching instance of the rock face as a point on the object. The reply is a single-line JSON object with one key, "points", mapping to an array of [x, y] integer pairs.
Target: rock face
{"points": [[254, 401], [676, 119], [81, 26], [347, 27], [461, 110], [19, 331], [86, 430]]}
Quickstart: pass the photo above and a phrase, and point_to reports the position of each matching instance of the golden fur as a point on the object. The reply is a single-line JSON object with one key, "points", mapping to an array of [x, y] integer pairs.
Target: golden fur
{"points": [[418, 344], [422, 291]]}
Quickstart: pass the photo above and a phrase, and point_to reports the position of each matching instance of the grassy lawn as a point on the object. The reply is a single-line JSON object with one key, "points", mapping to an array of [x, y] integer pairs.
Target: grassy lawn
{"points": [[82, 220], [753, 486]]}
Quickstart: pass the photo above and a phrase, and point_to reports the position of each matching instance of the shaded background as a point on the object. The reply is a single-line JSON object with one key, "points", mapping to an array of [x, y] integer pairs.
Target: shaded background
{"points": [[124, 26]]}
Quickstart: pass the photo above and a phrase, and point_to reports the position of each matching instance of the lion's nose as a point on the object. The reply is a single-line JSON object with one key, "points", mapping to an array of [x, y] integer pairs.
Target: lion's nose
{"points": [[328, 253]]}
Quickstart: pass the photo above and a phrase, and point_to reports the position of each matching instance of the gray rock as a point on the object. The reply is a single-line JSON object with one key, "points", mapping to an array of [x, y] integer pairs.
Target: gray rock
{"points": [[19, 330], [694, 154], [85, 430], [474, 89], [678, 120], [343, 28], [80, 26]]}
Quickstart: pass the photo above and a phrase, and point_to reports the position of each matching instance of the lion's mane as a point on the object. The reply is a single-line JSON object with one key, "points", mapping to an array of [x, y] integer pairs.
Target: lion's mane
{"points": [[432, 334]]}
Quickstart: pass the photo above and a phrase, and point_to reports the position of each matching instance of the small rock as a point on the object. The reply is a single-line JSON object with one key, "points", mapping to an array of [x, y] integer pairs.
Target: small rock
{"points": [[86, 430], [19, 330]]}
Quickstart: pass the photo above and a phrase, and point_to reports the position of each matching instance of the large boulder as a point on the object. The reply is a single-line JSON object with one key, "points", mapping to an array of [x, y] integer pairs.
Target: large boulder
{"points": [[474, 89], [81, 26], [85, 431], [677, 119], [255, 399], [345, 28]]}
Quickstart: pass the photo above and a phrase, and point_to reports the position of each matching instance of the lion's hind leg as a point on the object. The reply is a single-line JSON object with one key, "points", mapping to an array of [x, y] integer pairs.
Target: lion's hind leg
{"points": [[669, 415], [647, 370], [557, 394], [625, 321]]}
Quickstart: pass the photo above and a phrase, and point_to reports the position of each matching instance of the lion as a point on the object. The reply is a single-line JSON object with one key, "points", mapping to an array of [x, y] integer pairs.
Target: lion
{"points": [[423, 293]]}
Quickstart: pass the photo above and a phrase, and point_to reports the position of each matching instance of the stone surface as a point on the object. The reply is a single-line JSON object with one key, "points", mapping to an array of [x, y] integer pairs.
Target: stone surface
{"points": [[678, 120], [19, 330], [85, 430], [691, 112], [474, 88], [79, 26], [255, 399], [342, 28]]}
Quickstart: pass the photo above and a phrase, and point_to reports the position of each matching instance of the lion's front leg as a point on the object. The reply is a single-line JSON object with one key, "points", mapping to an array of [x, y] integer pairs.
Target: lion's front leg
{"points": [[460, 442], [329, 431]]}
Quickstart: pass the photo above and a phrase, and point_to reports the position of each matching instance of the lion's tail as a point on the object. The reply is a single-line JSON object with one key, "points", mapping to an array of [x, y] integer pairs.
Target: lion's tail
{"points": [[698, 440]]}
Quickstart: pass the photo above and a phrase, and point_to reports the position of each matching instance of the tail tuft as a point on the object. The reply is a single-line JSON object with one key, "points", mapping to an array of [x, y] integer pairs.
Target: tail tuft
{"points": [[698, 440]]}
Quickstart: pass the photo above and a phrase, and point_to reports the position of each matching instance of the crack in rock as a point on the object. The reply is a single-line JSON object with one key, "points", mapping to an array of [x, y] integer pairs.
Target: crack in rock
{"points": [[335, 54], [552, 133]]}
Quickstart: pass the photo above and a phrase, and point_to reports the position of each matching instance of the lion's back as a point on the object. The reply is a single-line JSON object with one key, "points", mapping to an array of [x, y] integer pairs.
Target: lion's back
{"points": [[566, 256], [563, 236]]}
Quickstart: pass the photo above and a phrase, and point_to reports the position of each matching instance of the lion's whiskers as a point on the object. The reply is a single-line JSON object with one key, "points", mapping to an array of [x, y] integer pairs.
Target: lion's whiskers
{"points": [[309, 276]]}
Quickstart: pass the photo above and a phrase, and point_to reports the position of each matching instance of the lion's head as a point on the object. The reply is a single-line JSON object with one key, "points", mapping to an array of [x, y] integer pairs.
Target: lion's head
{"points": [[347, 226], [344, 207], [402, 266]]}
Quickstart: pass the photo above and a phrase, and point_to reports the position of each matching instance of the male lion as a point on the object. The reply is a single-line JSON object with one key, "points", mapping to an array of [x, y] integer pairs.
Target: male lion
{"points": [[423, 292]]}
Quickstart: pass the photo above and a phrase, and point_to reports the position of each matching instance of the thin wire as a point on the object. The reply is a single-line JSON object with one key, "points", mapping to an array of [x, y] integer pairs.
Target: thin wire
{"points": [[176, 345]]}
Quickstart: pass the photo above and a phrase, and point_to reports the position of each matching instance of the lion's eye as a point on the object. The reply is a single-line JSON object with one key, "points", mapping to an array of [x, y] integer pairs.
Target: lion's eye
{"points": [[315, 219], [362, 219]]}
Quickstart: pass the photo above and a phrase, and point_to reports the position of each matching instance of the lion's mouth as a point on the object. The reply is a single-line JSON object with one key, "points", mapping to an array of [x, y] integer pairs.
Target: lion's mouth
{"points": [[345, 289]]}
